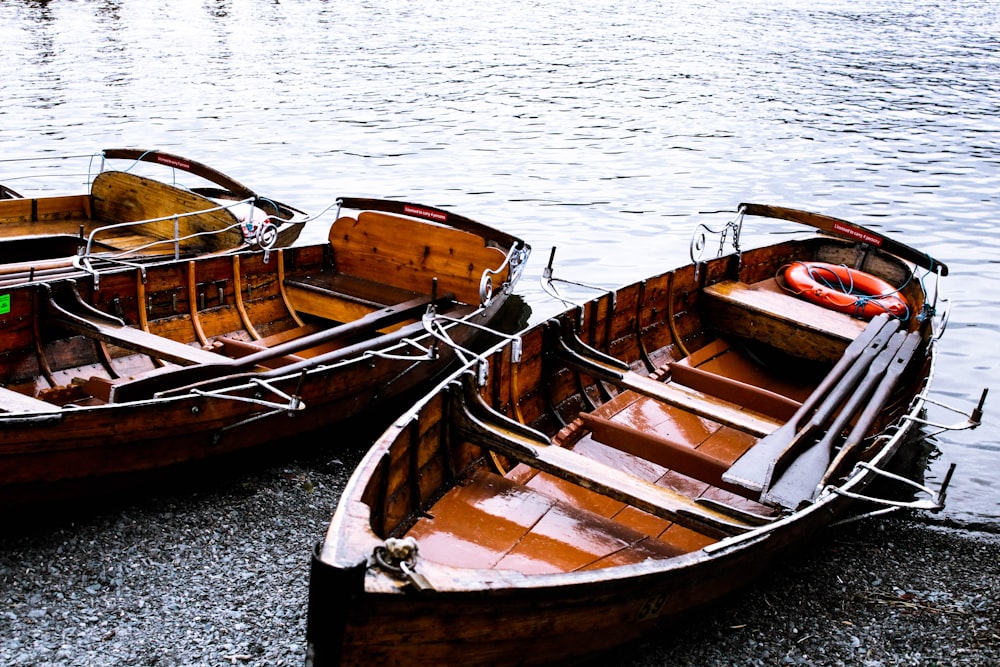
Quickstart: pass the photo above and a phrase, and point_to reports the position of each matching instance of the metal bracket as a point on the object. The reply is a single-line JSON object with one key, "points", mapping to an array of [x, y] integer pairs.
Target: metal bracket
{"points": [[432, 324], [972, 420], [399, 556], [548, 278], [516, 259], [293, 404], [699, 240], [934, 502]]}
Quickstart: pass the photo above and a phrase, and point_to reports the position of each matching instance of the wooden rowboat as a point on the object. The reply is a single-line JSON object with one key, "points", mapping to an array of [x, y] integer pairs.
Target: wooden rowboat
{"points": [[626, 462], [141, 369], [127, 216]]}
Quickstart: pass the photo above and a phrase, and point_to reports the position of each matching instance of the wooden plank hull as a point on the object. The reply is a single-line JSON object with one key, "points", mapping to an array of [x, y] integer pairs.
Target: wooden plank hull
{"points": [[144, 369], [75, 452], [561, 623], [462, 538]]}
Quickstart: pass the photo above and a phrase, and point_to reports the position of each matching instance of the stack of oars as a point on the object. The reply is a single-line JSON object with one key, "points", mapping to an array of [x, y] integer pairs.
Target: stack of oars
{"points": [[792, 465]]}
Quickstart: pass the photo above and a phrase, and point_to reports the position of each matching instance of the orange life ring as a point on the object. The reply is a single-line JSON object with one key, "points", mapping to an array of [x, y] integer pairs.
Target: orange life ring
{"points": [[847, 290]]}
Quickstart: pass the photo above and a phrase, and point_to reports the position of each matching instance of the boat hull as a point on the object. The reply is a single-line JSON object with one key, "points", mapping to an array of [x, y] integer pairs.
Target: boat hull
{"points": [[565, 622], [496, 523]]}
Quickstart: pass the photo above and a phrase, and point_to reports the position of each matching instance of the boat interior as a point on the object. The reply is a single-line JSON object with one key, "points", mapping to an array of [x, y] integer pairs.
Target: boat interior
{"points": [[158, 328], [626, 430]]}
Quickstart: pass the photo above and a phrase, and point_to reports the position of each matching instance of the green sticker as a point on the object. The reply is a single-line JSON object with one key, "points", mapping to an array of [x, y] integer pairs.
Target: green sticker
{"points": [[4, 304]]}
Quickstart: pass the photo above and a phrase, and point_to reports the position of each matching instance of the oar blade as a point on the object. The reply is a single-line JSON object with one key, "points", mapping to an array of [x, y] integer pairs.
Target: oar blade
{"points": [[799, 480], [756, 467]]}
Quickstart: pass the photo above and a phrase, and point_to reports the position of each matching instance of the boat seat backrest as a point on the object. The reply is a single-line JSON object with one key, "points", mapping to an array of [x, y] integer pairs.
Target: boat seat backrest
{"points": [[117, 197], [409, 253]]}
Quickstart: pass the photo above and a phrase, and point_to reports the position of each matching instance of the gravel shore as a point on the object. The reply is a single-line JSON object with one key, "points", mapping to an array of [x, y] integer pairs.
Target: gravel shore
{"points": [[215, 573]]}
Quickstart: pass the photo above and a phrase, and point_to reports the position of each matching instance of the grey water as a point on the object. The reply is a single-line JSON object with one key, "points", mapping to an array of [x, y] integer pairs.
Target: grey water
{"points": [[606, 130]]}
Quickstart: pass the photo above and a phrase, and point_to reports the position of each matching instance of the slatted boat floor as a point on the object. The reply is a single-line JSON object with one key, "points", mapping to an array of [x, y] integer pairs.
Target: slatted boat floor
{"points": [[534, 522]]}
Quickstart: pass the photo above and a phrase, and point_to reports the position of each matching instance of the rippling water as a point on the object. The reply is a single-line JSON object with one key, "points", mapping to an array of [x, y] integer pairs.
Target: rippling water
{"points": [[606, 129]]}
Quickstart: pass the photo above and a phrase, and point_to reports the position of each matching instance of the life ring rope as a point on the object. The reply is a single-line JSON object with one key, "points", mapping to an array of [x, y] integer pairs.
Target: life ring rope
{"points": [[847, 290]]}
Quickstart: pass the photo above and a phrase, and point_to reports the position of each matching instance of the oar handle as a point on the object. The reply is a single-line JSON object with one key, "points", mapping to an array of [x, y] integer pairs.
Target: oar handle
{"points": [[844, 364], [875, 405]]}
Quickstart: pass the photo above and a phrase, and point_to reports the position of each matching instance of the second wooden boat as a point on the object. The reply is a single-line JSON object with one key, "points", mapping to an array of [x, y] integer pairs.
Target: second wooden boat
{"points": [[137, 370], [626, 462]]}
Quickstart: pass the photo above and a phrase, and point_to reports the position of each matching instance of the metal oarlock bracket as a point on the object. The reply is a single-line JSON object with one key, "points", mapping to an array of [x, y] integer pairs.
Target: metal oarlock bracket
{"points": [[934, 502], [699, 240], [428, 353], [549, 288], [432, 324], [292, 404], [972, 419], [516, 259]]}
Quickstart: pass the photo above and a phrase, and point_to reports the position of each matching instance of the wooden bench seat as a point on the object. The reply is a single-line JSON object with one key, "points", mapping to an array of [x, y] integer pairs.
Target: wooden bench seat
{"points": [[740, 380], [151, 344], [496, 432], [20, 215], [765, 312], [119, 197], [410, 254], [71, 313], [380, 259], [609, 369], [664, 452], [340, 297], [15, 401]]}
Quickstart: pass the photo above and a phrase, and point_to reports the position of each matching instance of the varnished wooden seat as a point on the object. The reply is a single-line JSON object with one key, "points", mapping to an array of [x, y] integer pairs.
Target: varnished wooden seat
{"points": [[15, 401], [530, 448], [342, 297], [764, 311], [718, 370]]}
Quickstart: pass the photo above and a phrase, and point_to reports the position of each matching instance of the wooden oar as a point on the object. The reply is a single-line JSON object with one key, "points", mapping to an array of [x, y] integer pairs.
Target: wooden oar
{"points": [[892, 377], [828, 408], [753, 470], [797, 482], [145, 387]]}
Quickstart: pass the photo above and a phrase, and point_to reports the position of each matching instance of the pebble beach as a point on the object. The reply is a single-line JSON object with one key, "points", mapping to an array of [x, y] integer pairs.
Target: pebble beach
{"points": [[215, 572]]}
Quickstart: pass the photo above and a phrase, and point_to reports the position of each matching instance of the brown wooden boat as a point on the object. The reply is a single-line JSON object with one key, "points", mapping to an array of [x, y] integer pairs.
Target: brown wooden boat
{"points": [[141, 369], [129, 217], [626, 462]]}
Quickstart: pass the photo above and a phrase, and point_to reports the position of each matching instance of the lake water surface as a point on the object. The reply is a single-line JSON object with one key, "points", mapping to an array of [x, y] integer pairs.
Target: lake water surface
{"points": [[605, 129]]}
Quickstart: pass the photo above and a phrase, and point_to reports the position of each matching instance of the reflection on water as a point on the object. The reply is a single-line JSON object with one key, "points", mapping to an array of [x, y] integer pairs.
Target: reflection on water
{"points": [[606, 129]]}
